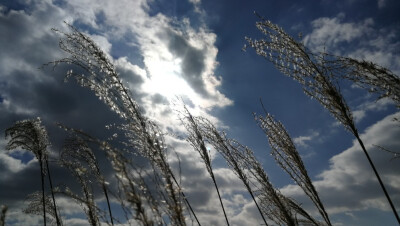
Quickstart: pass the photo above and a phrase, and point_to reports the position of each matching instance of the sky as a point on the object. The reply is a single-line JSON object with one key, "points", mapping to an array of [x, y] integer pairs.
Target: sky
{"points": [[192, 49]]}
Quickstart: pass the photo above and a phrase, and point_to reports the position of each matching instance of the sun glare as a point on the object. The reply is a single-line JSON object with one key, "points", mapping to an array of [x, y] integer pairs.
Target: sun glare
{"points": [[165, 79]]}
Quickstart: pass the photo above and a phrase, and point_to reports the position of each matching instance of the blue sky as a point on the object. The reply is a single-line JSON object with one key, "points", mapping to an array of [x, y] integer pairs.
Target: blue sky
{"points": [[192, 49]]}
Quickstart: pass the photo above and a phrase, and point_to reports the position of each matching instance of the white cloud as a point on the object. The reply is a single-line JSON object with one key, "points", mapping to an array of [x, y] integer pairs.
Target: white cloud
{"points": [[330, 32], [178, 59], [364, 108], [195, 1], [11, 164], [358, 115], [76, 222], [19, 218], [171, 49], [301, 140], [351, 179], [360, 40], [248, 215]]}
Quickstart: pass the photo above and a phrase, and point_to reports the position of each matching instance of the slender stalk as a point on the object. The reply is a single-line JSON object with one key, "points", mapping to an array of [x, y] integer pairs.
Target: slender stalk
{"points": [[258, 207], [31, 135], [197, 141], [43, 199], [220, 199], [52, 194], [229, 149], [288, 158], [184, 197], [108, 202], [378, 177]]}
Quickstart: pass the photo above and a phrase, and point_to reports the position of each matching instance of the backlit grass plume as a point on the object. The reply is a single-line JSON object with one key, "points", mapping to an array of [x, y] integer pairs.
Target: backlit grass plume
{"points": [[228, 151], [134, 192], [374, 78], [277, 207], [317, 74], [288, 158], [31, 135], [76, 149], [150, 205], [35, 204], [142, 134], [241, 160], [196, 139], [82, 175]]}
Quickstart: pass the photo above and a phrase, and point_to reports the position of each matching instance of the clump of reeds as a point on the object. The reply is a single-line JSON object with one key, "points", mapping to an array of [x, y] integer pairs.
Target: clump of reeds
{"points": [[288, 158], [133, 188], [78, 151], [32, 136], [279, 208], [223, 146], [82, 174], [271, 203], [35, 204], [317, 73], [196, 139], [143, 135]]}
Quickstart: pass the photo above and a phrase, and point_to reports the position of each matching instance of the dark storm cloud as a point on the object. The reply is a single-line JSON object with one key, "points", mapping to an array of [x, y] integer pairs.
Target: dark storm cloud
{"points": [[193, 64], [11, 186], [28, 44], [28, 92], [21, 33]]}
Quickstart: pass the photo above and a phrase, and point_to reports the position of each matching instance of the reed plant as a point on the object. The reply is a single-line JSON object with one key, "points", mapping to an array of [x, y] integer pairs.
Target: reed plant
{"points": [[142, 135], [195, 138], [318, 73], [288, 158], [83, 177], [77, 154], [224, 147], [35, 204], [31, 135]]}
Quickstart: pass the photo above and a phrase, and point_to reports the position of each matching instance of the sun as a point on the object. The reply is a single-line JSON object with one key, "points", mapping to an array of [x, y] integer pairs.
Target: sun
{"points": [[165, 79]]}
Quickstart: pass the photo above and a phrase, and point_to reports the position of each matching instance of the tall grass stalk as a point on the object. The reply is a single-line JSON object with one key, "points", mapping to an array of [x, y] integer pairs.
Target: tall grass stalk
{"points": [[279, 208], [32, 136], [35, 204], [196, 140], [288, 158], [135, 188], [316, 72], [76, 149], [58, 220], [83, 177], [228, 151]]}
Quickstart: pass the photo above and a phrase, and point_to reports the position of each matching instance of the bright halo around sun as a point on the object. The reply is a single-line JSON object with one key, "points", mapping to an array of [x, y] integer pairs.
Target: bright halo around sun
{"points": [[165, 79]]}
